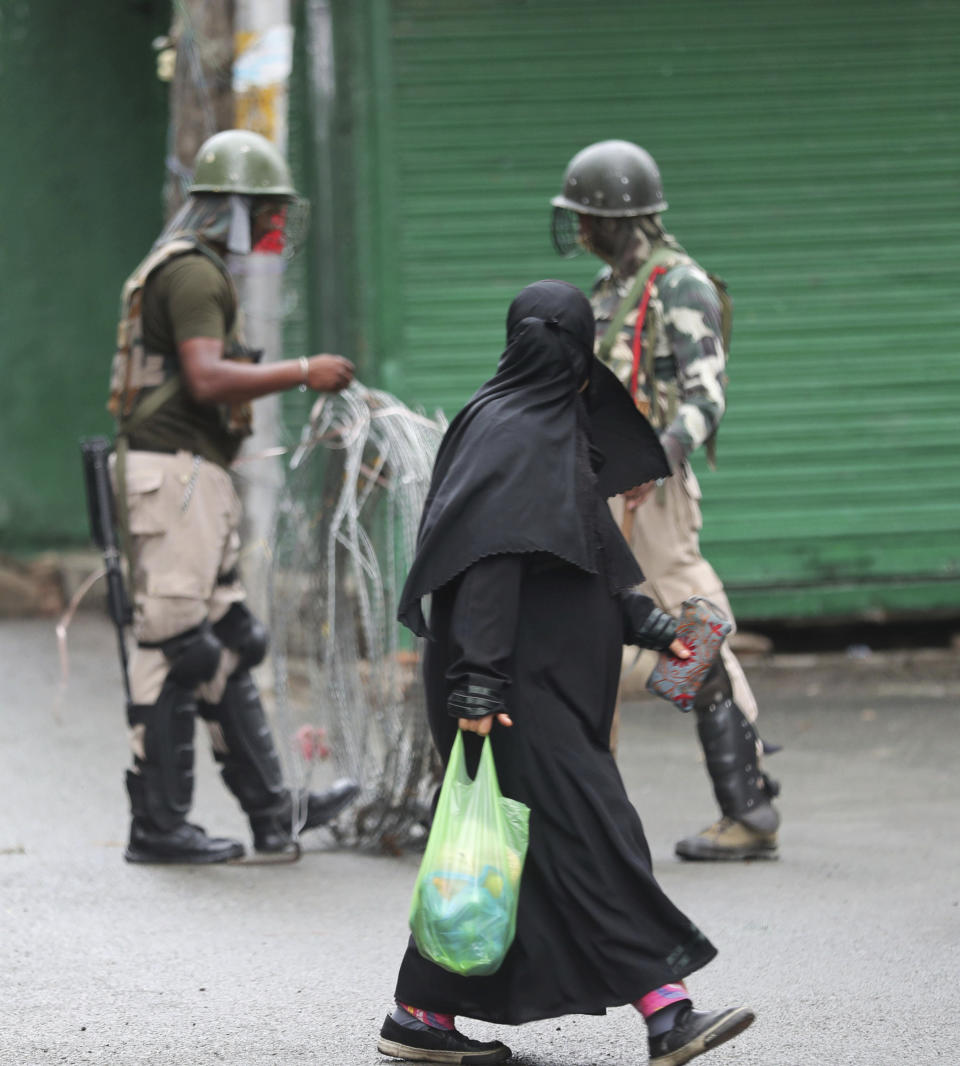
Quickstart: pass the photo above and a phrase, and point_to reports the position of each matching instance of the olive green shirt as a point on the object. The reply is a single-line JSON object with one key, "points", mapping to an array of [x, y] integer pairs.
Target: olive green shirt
{"points": [[187, 297]]}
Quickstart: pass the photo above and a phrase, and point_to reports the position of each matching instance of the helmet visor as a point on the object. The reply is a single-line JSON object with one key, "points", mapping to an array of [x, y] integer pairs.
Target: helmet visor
{"points": [[565, 231], [281, 225]]}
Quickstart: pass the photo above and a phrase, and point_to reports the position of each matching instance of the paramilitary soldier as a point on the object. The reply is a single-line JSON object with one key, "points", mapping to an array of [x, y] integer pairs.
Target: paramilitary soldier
{"points": [[663, 327], [181, 388]]}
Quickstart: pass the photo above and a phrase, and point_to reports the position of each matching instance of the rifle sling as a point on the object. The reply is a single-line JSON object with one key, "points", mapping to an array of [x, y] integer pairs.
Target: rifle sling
{"points": [[660, 257]]}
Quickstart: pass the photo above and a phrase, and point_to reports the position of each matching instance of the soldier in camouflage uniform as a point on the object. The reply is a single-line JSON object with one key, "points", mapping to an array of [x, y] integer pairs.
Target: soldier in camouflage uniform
{"points": [[181, 388], [663, 326]]}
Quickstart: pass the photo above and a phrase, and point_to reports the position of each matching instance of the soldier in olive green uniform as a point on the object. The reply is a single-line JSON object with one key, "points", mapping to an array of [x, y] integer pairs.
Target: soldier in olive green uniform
{"points": [[181, 387], [663, 326]]}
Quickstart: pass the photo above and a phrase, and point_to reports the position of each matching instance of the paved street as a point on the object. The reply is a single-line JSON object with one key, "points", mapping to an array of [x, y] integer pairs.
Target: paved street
{"points": [[846, 947]]}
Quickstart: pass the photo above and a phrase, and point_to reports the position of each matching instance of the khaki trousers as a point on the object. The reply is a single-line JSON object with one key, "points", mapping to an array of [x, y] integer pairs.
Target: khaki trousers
{"points": [[665, 538], [184, 520]]}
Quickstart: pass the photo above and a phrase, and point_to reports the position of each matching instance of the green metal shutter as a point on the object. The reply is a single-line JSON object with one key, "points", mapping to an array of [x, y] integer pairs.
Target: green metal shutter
{"points": [[83, 120], [810, 157]]}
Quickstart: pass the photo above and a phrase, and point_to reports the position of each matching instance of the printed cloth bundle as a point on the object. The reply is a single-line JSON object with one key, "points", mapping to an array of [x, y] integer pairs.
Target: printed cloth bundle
{"points": [[463, 915], [703, 627]]}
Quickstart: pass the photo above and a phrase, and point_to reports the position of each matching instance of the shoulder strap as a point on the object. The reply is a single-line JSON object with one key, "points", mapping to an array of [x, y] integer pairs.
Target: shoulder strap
{"points": [[659, 258], [156, 258], [148, 406], [200, 247]]}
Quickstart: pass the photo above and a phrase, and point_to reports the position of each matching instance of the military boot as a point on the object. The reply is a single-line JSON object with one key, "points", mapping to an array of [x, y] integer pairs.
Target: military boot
{"points": [[185, 844], [728, 839], [274, 831]]}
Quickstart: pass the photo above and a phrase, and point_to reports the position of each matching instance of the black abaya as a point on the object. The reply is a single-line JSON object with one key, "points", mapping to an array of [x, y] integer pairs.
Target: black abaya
{"points": [[594, 929], [530, 584]]}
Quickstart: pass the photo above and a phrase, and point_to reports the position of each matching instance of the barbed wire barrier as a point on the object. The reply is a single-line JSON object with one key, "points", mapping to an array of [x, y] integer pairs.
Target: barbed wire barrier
{"points": [[348, 688]]}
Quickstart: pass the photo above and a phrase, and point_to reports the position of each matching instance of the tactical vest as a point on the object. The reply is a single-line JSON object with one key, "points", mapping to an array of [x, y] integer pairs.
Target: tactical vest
{"points": [[653, 367], [137, 374]]}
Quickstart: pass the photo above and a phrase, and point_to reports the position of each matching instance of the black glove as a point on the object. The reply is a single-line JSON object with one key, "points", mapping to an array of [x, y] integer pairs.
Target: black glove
{"points": [[476, 697], [645, 624]]}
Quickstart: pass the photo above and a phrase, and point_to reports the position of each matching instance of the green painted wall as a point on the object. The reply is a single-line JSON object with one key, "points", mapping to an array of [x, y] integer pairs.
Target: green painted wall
{"points": [[811, 156], [83, 126]]}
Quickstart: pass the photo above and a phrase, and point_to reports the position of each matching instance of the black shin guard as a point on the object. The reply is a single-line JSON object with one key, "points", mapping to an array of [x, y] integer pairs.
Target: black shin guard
{"points": [[248, 758], [161, 784], [730, 745]]}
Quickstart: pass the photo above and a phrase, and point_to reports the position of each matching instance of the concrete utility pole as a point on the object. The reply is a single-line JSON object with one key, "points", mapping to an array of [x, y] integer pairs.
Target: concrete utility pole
{"points": [[202, 103], [261, 74]]}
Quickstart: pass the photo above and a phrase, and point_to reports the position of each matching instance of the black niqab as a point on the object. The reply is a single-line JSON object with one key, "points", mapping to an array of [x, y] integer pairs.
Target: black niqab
{"points": [[527, 464]]}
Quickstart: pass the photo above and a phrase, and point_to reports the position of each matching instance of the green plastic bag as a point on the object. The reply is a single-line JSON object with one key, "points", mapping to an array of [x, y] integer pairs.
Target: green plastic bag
{"points": [[464, 910]]}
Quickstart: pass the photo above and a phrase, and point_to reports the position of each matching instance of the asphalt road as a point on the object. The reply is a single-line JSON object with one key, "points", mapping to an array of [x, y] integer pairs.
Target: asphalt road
{"points": [[847, 947]]}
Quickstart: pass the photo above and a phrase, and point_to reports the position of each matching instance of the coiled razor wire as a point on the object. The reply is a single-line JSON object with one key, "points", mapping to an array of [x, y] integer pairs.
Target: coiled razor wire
{"points": [[349, 694]]}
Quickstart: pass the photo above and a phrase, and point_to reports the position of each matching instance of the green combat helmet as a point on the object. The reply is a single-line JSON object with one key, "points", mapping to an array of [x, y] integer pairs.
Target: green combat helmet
{"points": [[609, 179], [241, 161]]}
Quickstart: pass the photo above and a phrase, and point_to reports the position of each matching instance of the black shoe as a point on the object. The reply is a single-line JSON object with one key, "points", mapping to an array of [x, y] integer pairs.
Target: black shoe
{"points": [[272, 833], [695, 1032], [323, 807], [437, 1045], [185, 844]]}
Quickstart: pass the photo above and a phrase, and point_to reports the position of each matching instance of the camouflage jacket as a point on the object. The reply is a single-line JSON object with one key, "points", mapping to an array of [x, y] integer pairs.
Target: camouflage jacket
{"points": [[680, 378]]}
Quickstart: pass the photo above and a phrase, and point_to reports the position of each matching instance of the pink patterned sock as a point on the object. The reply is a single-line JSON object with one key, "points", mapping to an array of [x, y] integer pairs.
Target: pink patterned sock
{"points": [[664, 996], [429, 1017]]}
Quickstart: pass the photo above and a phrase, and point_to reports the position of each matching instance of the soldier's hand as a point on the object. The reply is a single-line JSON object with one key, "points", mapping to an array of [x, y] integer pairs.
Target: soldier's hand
{"points": [[634, 497], [329, 373], [679, 650]]}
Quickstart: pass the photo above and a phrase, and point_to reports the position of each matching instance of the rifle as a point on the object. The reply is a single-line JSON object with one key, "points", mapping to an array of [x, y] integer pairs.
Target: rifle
{"points": [[103, 528]]}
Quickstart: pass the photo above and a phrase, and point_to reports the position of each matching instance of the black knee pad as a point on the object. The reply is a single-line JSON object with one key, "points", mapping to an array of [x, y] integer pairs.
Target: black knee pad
{"points": [[243, 633], [193, 656]]}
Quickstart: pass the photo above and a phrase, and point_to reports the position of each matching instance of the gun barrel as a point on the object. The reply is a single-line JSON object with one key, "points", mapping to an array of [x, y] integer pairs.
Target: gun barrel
{"points": [[101, 512], [100, 509]]}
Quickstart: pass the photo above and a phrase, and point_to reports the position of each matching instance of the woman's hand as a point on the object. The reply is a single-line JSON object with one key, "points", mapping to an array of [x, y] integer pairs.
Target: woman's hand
{"points": [[482, 726], [679, 650]]}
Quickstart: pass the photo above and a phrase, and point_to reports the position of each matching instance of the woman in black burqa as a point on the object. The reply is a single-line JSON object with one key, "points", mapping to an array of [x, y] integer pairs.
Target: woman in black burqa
{"points": [[531, 601]]}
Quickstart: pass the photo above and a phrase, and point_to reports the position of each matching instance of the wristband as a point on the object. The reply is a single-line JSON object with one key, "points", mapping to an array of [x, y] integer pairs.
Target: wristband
{"points": [[304, 370]]}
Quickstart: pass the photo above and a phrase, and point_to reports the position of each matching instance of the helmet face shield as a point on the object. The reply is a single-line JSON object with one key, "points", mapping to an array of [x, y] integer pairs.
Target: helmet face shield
{"points": [[574, 232], [296, 225], [565, 231], [281, 225]]}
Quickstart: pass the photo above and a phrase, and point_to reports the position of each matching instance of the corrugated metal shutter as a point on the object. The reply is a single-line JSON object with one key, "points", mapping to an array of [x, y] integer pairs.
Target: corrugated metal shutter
{"points": [[82, 123], [810, 156]]}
